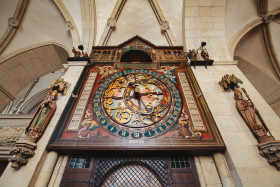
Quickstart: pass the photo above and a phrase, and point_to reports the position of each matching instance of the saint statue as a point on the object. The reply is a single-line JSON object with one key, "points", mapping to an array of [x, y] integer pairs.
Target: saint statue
{"points": [[41, 117], [250, 115]]}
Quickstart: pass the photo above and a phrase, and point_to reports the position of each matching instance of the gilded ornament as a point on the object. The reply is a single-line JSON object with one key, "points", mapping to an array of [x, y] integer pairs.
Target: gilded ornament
{"points": [[230, 82]]}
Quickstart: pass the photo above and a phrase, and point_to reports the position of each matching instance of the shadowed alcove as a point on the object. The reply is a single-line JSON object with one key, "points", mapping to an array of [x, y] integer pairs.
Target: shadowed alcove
{"points": [[135, 56]]}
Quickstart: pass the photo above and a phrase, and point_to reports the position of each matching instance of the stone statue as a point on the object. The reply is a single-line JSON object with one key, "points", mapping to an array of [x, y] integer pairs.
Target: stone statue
{"points": [[41, 118], [268, 146], [250, 114], [26, 145]]}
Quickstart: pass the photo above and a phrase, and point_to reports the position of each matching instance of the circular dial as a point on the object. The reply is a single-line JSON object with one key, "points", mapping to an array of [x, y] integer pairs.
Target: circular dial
{"points": [[137, 104], [136, 100]]}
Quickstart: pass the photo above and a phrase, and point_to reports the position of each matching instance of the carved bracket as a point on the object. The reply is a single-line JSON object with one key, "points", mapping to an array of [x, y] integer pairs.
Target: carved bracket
{"points": [[271, 151], [21, 153]]}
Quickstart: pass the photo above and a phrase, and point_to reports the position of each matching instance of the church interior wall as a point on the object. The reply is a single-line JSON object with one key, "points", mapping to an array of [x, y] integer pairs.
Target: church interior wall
{"points": [[213, 21], [250, 167]]}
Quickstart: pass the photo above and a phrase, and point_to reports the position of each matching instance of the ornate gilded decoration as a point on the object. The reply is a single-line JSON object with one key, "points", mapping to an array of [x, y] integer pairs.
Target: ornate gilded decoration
{"points": [[230, 82], [123, 103], [20, 155], [25, 146], [158, 54], [105, 72], [60, 85]]}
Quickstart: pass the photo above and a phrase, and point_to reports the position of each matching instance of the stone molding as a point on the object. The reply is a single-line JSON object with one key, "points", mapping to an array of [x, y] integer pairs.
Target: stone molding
{"points": [[273, 59], [244, 30], [89, 24], [164, 25], [113, 18], [248, 27], [14, 24], [68, 18], [6, 57]]}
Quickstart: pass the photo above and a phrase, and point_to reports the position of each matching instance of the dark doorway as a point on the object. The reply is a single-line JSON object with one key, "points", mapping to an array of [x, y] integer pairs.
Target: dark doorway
{"points": [[135, 56], [126, 172]]}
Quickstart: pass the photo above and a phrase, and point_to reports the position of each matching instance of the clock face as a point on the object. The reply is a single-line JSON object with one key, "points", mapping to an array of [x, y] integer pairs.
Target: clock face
{"points": [[137, 104]]}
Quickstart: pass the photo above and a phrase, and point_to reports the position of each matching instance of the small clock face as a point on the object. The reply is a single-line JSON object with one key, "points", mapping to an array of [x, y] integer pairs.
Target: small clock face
{"points": [[137, 104]]}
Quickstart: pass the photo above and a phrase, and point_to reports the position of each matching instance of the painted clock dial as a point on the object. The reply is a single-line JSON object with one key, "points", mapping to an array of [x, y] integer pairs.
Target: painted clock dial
{"points": [[137, 104]]}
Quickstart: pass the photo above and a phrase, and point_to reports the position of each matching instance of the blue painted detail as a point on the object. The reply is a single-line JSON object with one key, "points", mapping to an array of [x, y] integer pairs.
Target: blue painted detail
{"points": [[170, 121], [123, 133], [161, 128], [136, 135], [103, 122], [112, 128], [149, 133]]}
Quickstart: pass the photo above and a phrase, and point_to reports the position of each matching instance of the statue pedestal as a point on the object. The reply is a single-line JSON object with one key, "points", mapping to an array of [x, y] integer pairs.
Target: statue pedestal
{"points": [[271, 151], [23, 150]]}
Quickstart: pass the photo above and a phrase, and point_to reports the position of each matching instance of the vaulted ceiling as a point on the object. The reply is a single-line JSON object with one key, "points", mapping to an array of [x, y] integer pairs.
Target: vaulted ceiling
{"points": [[49, 29]]}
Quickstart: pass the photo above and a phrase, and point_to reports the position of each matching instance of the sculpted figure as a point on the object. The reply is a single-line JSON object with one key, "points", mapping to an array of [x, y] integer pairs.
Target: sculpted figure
{"points": [[41, 118], [76, 53], [204, 54], [60, 85], [230, 82], [250, 115]]}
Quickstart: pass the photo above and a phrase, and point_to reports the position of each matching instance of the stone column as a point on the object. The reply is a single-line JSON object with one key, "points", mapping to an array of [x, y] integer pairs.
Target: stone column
{"points": [[223, 170], [57, 177], [27, 175], [207, 172], [55, 171], [47, 169], [199, 172]]}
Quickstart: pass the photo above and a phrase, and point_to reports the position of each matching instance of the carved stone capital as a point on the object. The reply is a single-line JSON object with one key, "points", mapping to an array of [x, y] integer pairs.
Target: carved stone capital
{"points": [[164, 25], [267, 18], [271, 151], [69, 26], [112, 22], [14, 22]]}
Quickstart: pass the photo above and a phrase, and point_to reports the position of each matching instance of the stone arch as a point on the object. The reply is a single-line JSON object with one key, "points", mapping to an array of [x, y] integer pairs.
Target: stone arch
{"points": [[25, 66]]}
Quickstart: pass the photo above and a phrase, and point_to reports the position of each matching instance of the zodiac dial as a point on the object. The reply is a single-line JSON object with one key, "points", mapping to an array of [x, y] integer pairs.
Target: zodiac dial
{"points": [[139, 103]]}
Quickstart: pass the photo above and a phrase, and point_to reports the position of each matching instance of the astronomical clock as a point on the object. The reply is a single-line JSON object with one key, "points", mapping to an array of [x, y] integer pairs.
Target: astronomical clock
{"points": [[136, 96]]}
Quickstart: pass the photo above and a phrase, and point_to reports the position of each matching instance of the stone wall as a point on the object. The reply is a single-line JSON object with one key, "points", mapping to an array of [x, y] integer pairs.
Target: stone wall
{"points": [[247, 166], [205, 21]]}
